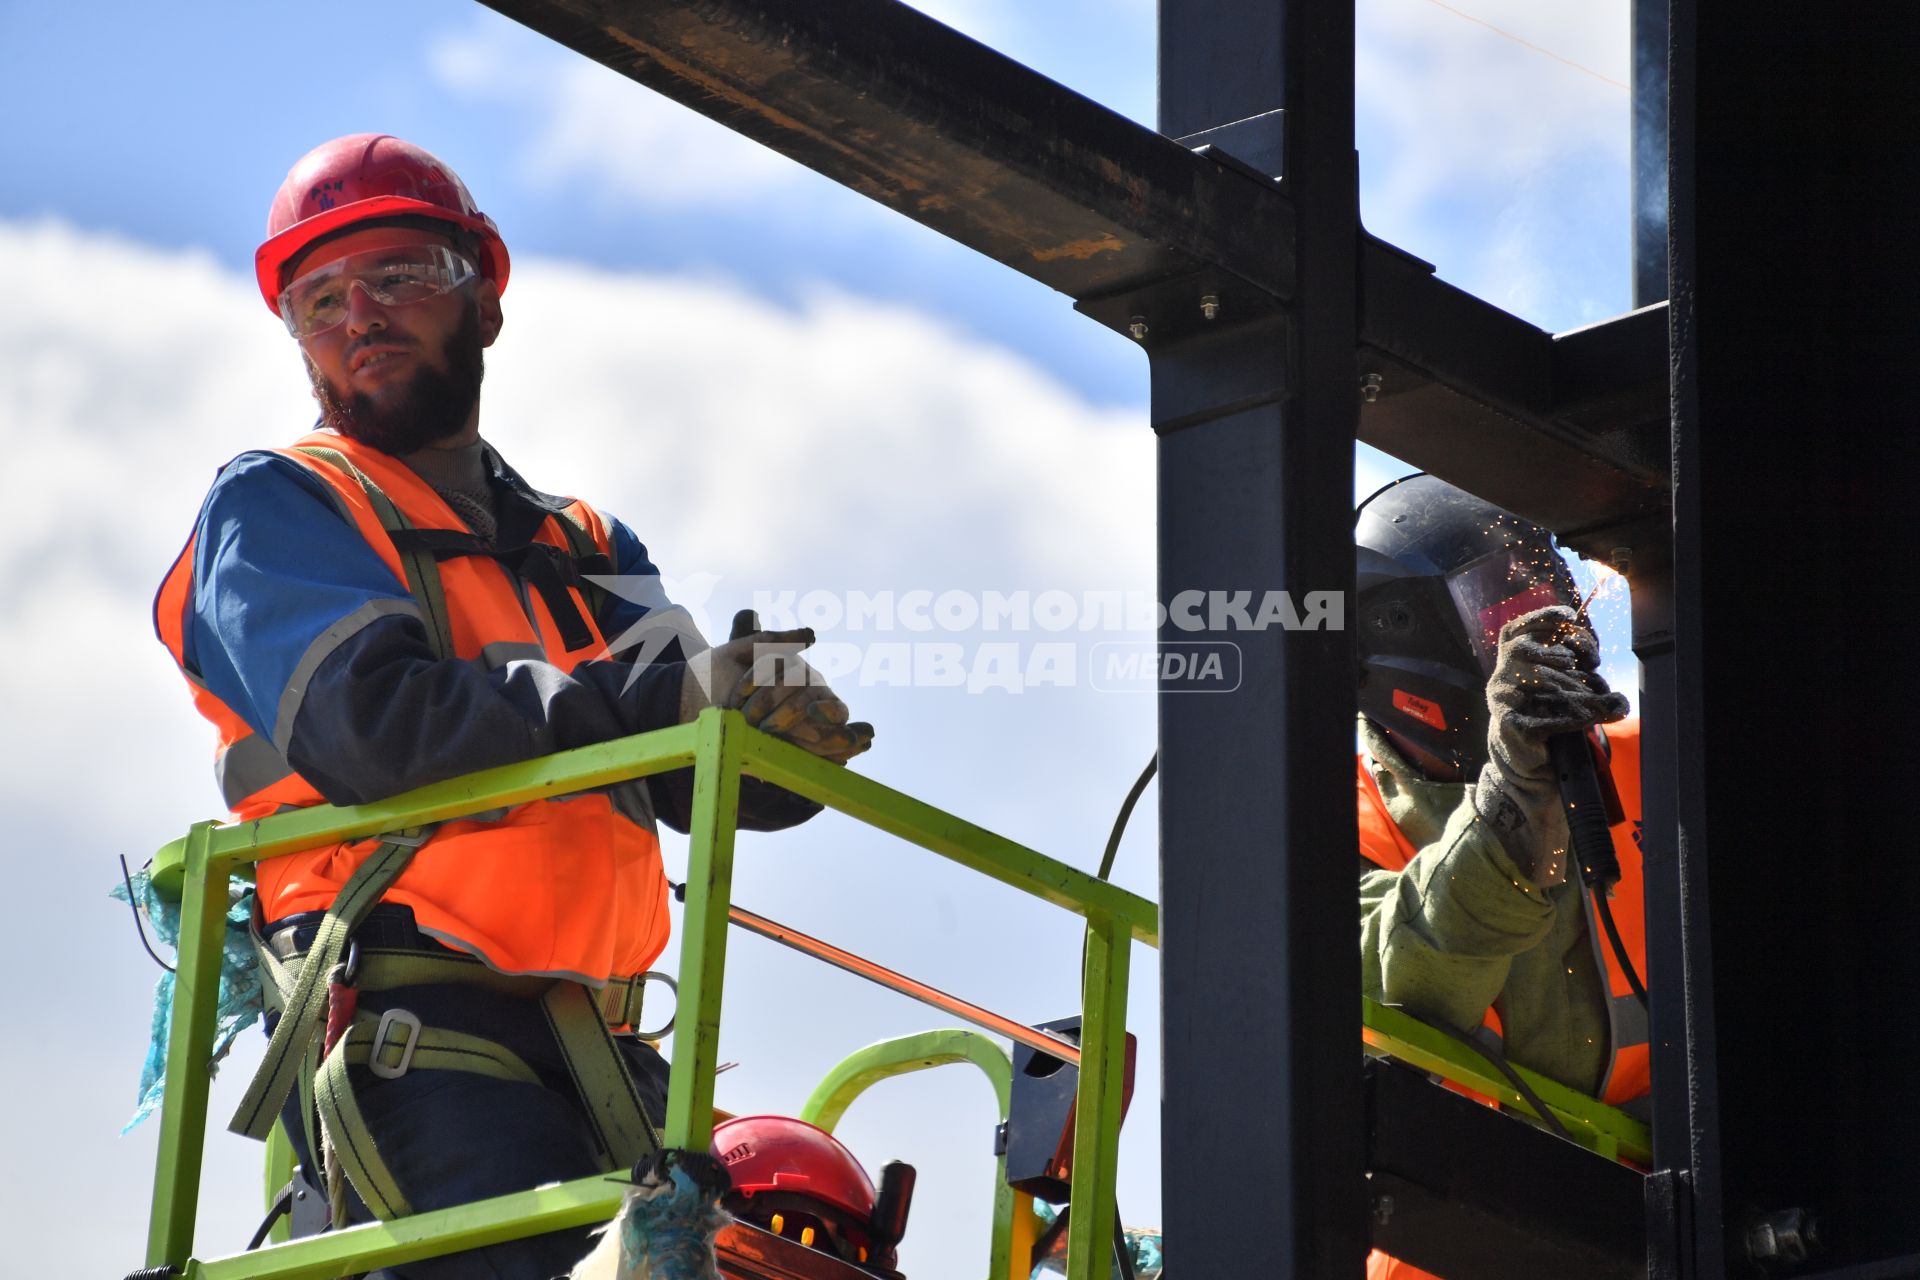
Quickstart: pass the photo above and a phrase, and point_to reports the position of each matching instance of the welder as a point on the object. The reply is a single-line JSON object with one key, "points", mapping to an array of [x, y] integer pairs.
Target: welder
{"points": [[1477, 667]]}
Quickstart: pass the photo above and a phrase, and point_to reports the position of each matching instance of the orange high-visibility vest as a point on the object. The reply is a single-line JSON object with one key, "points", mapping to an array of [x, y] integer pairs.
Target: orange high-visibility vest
{"points": [[1628, 1073], [568, 886]]}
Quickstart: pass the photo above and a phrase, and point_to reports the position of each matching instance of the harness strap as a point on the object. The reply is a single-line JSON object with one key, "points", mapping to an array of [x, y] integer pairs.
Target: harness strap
{"points": [[622, 1131], [354, 1155], [423, 572], [620, 1001], [599, 1072], [304, 1003], [277, 983], [395, 1042], [550, 570], [588, 560]]}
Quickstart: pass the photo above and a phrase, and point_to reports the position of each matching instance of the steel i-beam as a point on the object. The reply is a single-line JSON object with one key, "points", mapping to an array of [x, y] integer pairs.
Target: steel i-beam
{"points": [[1140, 228]]}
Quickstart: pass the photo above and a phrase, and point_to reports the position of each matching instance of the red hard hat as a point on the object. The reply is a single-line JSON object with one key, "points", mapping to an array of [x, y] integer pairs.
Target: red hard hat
{"points": [[779, 1153], [359, 178]]}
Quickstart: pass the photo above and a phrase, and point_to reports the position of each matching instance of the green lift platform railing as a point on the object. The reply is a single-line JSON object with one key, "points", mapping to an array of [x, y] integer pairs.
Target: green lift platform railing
{"points": [[720, 747]]}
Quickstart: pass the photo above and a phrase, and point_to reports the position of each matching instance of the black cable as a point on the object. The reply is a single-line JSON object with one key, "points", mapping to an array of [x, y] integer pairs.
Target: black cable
{"points": [[1619, 947], [1505, 1068], [1589, 839], [1126, 811], [281, 1207], [1382, 489], [139, 926], [1044, 1244]]}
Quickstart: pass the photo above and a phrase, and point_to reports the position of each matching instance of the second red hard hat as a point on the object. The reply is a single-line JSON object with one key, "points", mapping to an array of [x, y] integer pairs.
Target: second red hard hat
{"points": [[780, 1153]]}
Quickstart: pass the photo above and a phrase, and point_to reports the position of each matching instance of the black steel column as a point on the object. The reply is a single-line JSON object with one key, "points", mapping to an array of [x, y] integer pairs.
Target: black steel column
{"points": [[1796, 336], [1651, 579], [1262, 1125], [1649, 168], [1670, 1186]]}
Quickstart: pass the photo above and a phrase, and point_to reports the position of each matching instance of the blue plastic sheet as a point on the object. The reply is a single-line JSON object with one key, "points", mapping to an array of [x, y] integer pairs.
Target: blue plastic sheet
{"points": [[667, 1228], [240, 1002]]}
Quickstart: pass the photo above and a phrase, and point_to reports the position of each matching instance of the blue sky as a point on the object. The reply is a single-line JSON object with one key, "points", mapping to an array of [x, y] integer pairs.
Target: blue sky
{"points": [[685, 307]]}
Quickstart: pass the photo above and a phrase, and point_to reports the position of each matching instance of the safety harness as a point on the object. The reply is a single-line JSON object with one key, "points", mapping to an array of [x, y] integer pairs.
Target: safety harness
{"points": [[322, 1032]]}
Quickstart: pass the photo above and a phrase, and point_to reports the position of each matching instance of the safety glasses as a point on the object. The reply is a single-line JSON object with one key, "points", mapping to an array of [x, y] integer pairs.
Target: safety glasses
{"points": [[393, 277]]}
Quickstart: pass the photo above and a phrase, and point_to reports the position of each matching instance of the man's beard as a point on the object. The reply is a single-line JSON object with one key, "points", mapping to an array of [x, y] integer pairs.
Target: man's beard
{"points": [[431, 405]]}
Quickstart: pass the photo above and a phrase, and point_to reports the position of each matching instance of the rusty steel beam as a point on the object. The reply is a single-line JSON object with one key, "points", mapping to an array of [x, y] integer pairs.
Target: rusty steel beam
{"points": [[1136, 227], [1569, 430], [946, 131]]}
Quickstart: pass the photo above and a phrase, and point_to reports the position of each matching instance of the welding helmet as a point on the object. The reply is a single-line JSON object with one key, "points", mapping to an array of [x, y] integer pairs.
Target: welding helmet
{"points": [[365, 178], [1439, 572], [797, 1181]]}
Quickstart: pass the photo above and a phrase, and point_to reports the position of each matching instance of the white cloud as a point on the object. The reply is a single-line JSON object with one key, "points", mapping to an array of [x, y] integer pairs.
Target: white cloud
{"points": [[841, 415], [126, 377], [1490, 157], [599, 131], [984, 20], [1467, 103], [627, 147]]}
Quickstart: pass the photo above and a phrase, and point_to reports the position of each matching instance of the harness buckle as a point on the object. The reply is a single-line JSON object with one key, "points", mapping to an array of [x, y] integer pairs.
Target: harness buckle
{"points": [[654, 975], [406, 841], [388, 1020]]}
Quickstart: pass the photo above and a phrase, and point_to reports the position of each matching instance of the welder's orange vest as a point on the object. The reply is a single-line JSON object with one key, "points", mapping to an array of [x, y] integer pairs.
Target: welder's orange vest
{"points": [[1385, 845], [570, 886]]}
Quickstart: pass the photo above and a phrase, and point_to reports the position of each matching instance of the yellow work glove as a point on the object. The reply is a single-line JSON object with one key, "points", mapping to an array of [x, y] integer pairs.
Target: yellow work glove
{"points": [[761, 674], [1545, 681]]}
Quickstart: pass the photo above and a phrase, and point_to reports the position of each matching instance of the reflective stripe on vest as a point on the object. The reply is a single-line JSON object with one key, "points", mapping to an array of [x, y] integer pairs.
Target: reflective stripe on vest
{"points": [[248, 767], [567, 886]]}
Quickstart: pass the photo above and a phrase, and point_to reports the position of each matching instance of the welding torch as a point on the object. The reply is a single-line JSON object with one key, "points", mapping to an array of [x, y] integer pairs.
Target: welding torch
{"points": [[1592, 807]]}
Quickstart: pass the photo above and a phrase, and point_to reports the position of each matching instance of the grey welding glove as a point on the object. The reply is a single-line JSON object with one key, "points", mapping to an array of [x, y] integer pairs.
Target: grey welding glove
{"points": [[1545, 682], [761, 674]]}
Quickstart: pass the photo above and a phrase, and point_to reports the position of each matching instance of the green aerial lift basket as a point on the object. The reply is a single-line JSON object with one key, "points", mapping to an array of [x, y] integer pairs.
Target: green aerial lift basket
{"points": [[720, 747]]}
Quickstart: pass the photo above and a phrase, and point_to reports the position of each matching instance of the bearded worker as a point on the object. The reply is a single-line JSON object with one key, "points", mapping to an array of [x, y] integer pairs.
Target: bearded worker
{"points": [[386, 604]]}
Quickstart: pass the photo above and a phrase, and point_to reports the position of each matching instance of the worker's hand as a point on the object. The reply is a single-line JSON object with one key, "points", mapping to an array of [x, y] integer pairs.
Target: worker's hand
{"points": [[761, 674], [1545, 682]]}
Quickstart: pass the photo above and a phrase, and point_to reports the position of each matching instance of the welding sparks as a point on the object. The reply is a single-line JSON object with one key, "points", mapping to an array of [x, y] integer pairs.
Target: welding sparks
{"points": [[1604, 582]]}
